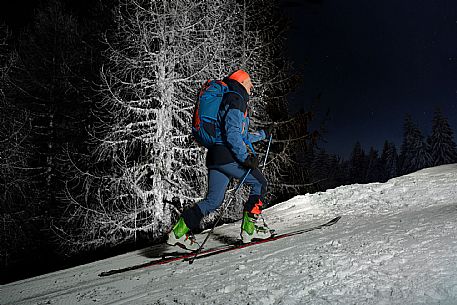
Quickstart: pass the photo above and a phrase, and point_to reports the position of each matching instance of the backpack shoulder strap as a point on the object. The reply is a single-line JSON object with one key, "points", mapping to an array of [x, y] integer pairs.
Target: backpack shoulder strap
{"points": [[237, 93]]}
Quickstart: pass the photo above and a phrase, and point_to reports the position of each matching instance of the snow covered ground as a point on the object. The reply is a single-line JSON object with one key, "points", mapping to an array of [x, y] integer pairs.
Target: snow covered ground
{"points": [[396, 243]]}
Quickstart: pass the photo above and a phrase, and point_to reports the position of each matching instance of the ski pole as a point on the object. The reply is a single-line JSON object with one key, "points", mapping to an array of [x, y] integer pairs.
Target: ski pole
{"points": [[263, 168], [220, 217], [266, 154]]}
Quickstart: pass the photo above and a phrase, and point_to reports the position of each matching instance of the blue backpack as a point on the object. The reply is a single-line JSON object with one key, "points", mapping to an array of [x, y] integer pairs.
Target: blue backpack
{"points": [[205, 127]]}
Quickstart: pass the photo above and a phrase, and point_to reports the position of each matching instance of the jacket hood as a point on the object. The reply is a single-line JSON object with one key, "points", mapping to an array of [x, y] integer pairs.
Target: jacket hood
{"points": [[237, 87]]}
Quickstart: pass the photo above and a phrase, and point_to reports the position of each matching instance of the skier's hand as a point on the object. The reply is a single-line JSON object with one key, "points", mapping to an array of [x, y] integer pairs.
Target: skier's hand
{"points": [[269, 131], [251, 162]]}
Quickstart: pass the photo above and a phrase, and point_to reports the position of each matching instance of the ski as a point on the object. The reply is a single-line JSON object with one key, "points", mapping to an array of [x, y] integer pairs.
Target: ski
{"points": [[217, 250], [162, 261], [240, 245]]}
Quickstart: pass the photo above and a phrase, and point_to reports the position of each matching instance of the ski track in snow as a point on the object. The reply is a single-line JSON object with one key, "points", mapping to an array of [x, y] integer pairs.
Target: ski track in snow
{"points": [[396, 243]]}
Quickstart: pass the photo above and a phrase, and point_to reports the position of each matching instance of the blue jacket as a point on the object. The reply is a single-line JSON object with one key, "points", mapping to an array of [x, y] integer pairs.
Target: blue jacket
{"points": [[234, 125]]}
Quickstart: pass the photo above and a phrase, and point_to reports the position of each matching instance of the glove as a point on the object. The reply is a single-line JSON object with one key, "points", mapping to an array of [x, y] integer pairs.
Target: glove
{"points": [[269, 131], [251, 162]]}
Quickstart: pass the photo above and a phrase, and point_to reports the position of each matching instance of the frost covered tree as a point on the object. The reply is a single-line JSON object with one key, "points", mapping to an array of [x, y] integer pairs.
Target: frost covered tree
{"points": [[414, 154], [159, 54], [443, 149]]}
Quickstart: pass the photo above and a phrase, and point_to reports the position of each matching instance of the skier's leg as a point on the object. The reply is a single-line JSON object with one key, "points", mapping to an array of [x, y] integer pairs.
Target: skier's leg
{"points": [[217, 184], [251, 226], [191, 217], [255, 180], [256, 200]]}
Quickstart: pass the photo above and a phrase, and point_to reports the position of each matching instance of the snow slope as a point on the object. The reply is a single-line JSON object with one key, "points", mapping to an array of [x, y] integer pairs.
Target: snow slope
{"points": [[395, 244]]}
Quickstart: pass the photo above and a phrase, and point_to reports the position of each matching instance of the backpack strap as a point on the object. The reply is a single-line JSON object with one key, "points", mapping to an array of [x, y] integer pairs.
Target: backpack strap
{"points": [[230, 91], [237, 93], [245, 140]]}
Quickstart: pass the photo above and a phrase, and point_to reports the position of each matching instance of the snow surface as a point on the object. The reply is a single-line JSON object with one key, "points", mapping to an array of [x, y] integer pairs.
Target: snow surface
{"points": [[395, 244]]}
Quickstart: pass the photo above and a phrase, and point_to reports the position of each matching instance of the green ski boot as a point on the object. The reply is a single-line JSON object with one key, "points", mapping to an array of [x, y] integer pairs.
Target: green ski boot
{"points": [[251, 228], [182, 237]]}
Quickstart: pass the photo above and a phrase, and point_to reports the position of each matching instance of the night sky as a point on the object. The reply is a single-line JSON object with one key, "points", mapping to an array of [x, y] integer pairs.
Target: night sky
{"points": [[372, 62]]}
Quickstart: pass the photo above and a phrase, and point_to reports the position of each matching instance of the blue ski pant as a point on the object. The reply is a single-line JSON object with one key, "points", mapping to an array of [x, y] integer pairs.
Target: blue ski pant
{"points": [[219, 177]]}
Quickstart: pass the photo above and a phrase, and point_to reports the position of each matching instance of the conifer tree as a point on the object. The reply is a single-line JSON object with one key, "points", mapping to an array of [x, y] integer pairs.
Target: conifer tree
{"points": [[336, 171], [405, 149], [443, 149], [358, 164], [389, 160], [414, 154], [320, 169], [374, 169]]}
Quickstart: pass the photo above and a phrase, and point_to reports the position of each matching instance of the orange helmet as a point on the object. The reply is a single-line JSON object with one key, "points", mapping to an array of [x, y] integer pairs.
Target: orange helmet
{"points": [[239, 76]]}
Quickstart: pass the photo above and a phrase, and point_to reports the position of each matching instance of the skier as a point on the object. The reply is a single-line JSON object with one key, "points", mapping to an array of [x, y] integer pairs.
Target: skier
{"points": [[226, 160]]}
